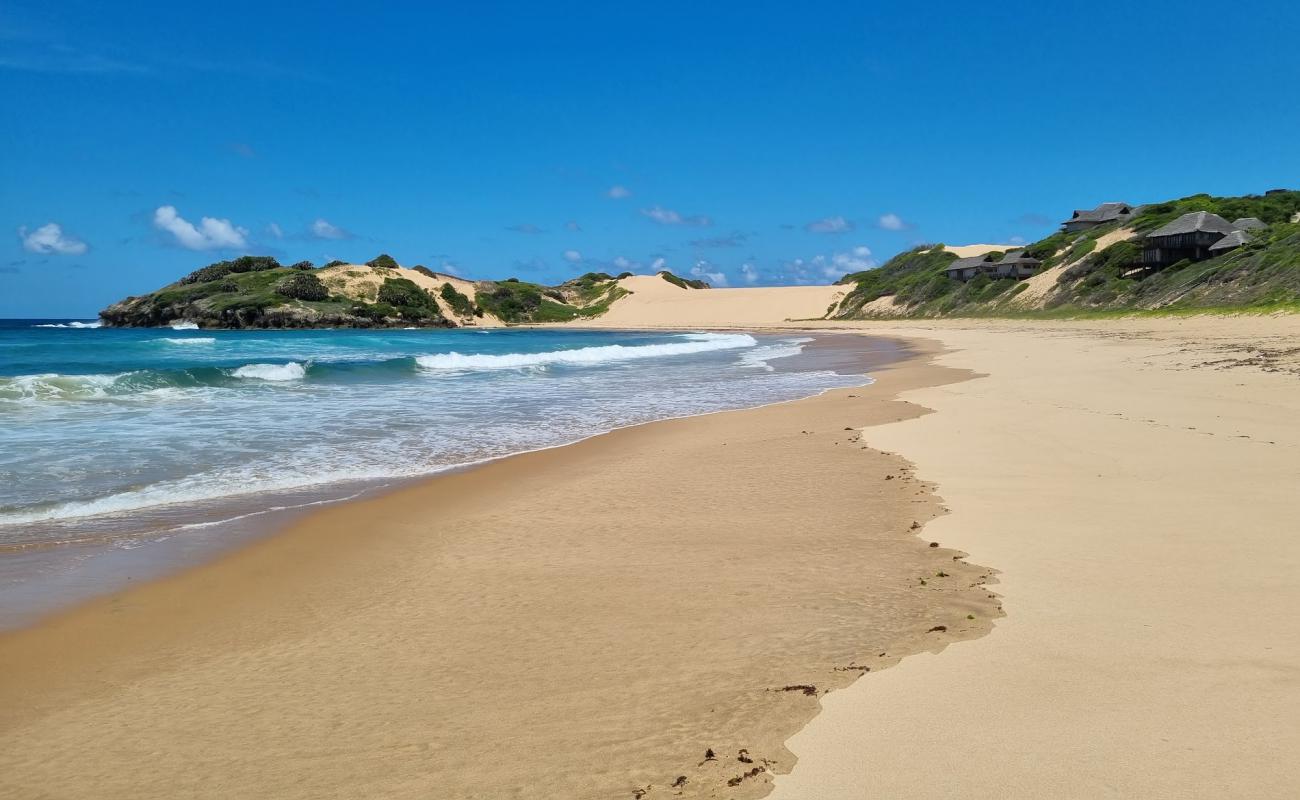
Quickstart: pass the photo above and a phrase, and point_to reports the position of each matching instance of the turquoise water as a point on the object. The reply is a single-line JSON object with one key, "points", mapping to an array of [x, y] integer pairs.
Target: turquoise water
{"points": [[110, 435]]}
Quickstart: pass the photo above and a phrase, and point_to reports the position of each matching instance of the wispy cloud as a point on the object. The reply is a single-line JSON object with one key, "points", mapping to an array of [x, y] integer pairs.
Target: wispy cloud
{"points": [[50, 239], [322, 228], [210, 234], [572, 256], [667, 216], [617, 192], [830, 225], [526, 227], [275, 231], [734, 239], [572, 226], [32, 55]]}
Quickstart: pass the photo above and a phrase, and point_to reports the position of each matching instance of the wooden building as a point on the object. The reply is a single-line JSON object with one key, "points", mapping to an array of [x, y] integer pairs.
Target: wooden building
{"points": [[1083, 219], [1188, 237], [1012, 264], [1230, 242]]}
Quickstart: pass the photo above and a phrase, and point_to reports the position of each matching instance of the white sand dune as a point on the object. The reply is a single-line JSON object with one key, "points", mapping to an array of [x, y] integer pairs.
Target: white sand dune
{"points": [[972, 250], [656, 303]]}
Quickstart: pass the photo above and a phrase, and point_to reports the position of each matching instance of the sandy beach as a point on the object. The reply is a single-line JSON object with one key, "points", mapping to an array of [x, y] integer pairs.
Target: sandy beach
{"points": [[590, 621]]}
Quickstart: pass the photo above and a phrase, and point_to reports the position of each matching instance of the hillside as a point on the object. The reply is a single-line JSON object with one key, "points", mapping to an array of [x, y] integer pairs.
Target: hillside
{"points": [[259, 292], [1099, 270]]}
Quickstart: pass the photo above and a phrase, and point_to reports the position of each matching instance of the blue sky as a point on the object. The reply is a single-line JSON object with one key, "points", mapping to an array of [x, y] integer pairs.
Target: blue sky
{"points": [[751, 143]]}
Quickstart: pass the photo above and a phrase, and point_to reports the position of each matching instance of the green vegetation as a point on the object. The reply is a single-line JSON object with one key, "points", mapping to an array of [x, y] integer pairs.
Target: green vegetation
{"points": [[302, 286], [383, 261], [1274, 207], [223, 268], [684, 283], [258, 292], [334, 263], [1264, 274], [457, 301]]}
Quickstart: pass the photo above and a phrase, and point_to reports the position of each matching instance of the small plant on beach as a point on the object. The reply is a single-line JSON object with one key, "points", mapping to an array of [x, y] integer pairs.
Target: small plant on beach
{"points": [[383, 261]]}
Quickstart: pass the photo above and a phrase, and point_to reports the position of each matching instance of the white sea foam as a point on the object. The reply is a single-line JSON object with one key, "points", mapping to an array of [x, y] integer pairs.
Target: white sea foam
{"points": [[185, 326], [53, 386], [293, 371], [759, 357], [189, 340], [695, 343], [95, 324]]}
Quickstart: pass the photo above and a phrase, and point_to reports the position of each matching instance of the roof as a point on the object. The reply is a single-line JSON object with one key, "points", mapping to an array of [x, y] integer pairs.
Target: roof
{"points": [[1194, 222], [1105, 212], [966, 263], [1248, 224], [1019, 257], [1234, 239]]}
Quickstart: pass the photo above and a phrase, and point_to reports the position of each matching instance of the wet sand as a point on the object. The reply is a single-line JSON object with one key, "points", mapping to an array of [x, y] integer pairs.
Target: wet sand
{"points": [[583, 622]]}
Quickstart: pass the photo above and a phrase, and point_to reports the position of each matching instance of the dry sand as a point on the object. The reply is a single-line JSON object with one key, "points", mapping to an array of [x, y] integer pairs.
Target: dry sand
{"points": [[1136, 484], [972, 250], [656, 303], [583, 622]]}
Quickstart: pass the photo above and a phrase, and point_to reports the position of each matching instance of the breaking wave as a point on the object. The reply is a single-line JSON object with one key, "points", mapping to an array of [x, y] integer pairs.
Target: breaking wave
{"points": [[95, 324], [696, 343], [293, 371]]}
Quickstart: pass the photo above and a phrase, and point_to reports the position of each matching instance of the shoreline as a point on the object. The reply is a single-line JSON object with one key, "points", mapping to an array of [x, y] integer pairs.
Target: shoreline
{"points": [[222, 525], [702, 684]]}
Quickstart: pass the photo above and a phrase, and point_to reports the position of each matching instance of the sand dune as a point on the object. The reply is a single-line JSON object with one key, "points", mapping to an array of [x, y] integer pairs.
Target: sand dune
{"points": [[656, 303], [972, 250]]}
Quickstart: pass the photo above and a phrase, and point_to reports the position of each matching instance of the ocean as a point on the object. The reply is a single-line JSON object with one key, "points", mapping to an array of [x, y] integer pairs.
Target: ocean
{"points": [[114, 441]]}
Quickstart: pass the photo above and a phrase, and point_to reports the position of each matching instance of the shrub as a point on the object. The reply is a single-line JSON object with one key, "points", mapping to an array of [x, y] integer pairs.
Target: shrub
{"points": [[402, 292], [382, 261], [684, 283], [423, 270], [253, 264], [211, 272], [302, 265], [302, 286], [458, 302], [334, 263], [623, 275]]}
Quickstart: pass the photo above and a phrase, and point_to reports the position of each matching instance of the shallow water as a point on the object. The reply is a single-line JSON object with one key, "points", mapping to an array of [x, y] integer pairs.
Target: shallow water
{"points": [[121, 447]]}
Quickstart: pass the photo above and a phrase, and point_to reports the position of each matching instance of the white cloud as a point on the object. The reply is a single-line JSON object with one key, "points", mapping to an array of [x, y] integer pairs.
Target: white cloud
{"points": [[323, 229], [658, 264], [830, 225], [573, 226], [856, 260], [892, 222], [708, 272], [1016, 240], [572, 256], [667, 216], [749, 272], [275, 230], [623, 263], [210, 234], [50, 238], [617, 192]]}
